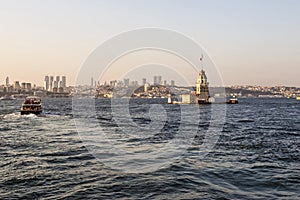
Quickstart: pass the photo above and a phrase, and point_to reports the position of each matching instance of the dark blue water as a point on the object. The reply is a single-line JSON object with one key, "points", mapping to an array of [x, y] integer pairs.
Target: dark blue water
{"points": [[257, 155]]}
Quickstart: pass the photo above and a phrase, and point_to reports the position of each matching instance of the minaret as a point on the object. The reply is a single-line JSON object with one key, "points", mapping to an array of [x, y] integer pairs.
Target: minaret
{"points": [[202, 92]]}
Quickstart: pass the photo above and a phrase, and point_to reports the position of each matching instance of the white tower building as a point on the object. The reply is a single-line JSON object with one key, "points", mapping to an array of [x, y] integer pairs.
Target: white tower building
{"points": [[202, 91]]}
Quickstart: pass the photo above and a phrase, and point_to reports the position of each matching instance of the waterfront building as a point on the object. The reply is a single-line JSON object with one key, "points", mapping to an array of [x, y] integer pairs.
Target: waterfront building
{"points": [[60, 89], [186, 98]]}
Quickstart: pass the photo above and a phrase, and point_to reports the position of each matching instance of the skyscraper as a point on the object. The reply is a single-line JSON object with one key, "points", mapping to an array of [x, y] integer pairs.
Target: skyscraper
{"points": [[57, 79], [64, 81], [55, 84], [159, 80], [51, 83], [7, 81], [17, 86], [155, 80], [126, 82], [144, 81], [46, 83], [172, 83]]}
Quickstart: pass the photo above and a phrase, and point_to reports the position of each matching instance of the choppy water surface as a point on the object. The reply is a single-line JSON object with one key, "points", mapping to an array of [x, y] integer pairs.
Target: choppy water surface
{"points": [[256, 157]]}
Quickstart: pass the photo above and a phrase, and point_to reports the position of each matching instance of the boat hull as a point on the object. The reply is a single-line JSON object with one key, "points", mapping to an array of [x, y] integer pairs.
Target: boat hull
{"points": [[202, 101], [27, 112]]}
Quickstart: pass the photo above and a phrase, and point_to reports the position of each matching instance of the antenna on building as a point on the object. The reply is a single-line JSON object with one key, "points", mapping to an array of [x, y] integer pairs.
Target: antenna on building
{"points": [[201, 61]]}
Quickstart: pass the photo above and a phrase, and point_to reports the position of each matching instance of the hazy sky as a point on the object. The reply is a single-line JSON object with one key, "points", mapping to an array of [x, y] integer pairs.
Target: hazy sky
{"points": [[254, 42]]}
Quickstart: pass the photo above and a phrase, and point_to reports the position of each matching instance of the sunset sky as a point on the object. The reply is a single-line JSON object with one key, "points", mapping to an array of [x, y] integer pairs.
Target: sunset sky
{"points": [[252, 42]]}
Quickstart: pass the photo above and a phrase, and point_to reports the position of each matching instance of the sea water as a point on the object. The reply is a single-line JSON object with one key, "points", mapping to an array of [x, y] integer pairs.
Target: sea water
{"points": [[256, 154]]}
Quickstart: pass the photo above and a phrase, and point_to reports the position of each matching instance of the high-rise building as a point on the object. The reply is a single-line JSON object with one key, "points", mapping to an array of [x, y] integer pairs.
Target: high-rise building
{"points": [[134, 83], [172, 83], [126, 82], [23, 86], [57, 79], [165, 83], [144, 81], [92, 81], [112, 83], [7, 81], [155, 80], [46, 83], [28, 86], [17, 86], [51, 83], [159, 80], [64, 81], [55, 84], [60, 87]]}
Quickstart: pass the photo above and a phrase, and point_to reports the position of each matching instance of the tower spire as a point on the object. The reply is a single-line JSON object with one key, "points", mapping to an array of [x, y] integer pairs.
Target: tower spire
{"points": [[201, 61]]}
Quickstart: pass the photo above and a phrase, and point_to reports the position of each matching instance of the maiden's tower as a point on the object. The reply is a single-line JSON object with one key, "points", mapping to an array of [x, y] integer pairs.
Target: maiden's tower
{"points": [[202, 92]]}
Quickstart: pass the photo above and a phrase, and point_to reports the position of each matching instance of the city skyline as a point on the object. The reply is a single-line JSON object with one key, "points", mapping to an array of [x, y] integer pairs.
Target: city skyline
{"points": [[251, 42]]}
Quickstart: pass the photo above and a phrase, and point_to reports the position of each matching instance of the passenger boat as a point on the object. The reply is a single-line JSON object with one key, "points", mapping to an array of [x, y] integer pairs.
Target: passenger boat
{"points": [[232, 100], [8, 97], [31, 105]]}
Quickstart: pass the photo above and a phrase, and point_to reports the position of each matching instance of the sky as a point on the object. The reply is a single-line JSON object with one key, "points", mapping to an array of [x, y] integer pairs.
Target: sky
{"points": [[252, 42]]}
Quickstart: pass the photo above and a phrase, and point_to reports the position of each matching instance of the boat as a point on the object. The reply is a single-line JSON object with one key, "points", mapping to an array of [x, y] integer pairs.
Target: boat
{"points": [[232, 100], [31, 105], [8, 97], [298, 98]]}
